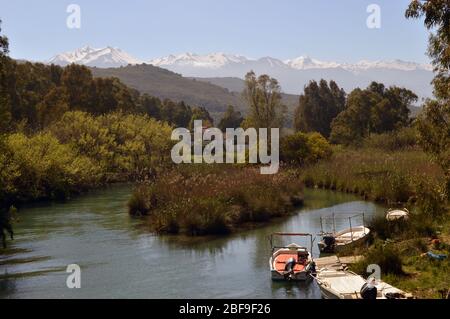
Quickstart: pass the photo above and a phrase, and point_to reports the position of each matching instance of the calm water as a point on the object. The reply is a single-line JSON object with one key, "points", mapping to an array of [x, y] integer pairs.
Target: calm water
{"points": [[119, 258]]}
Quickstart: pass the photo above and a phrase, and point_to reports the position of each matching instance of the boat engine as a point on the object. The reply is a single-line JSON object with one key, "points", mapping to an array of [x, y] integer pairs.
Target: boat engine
{"points": [[289, 268], [368, 291], [329, 242]]}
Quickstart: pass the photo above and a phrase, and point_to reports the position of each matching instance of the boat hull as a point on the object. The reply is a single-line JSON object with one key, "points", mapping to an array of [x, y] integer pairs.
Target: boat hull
{"points": [[323, 248], [300, 276]]}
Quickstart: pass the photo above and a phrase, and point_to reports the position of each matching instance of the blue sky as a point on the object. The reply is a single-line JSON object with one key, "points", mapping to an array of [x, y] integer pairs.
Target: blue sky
{"points": [[324, 29]]}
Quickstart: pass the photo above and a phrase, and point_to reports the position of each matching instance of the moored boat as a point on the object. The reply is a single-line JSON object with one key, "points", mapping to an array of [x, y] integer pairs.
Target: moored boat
{"points": [[397, 214], [333, 242], [344, 284], [291, 262]]}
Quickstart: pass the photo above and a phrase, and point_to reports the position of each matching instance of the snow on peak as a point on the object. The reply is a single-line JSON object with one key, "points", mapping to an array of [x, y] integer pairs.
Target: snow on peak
{"points": [[103, 57], [212, 60], [389, 64], [305, 62]]}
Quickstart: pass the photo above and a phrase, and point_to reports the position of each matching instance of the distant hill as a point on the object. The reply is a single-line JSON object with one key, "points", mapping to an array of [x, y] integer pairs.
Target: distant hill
{"points": [[166, 84], [194, 91]]}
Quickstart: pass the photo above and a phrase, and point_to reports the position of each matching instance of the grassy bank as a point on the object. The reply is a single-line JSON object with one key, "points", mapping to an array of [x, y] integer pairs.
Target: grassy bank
{"points": [[377, 174], [203, 200], [397, 177]]}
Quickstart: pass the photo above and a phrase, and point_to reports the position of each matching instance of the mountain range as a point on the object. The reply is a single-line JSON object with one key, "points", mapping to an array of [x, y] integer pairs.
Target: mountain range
{"points": [[293, 74]]}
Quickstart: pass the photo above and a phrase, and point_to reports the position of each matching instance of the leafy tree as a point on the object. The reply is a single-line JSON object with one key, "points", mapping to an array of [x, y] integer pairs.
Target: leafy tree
{"points": [[200, 113], [78, 83], [376, 109], [178, 114], [52, 107], [263, 96], [231, 119], [318, 106], [5, 111], [151, 106], [434, 122]]}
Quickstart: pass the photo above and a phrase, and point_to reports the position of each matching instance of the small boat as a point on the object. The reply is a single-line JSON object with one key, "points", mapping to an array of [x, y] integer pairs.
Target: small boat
{"points": [[397, 214], [344, 284], [332, 242], [291, 262]]}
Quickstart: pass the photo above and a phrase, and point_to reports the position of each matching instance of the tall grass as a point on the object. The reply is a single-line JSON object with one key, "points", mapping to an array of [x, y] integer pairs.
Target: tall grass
{"points": [[215, 199], [386, 176]]}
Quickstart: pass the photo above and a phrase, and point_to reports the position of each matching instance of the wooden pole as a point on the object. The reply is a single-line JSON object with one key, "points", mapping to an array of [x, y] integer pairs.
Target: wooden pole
{"points": [[351, 230], [334, 225]]}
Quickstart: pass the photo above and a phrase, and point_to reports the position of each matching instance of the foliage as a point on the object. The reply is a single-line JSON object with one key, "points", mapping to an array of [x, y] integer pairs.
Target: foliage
{"points": [[200, 113], [231, 119], [54, 171], [318, 106], [36, 95], [390, 177], [374, 110], [301, 148], [385, 256], [434, 122], [404, 138], [118, 143], [214, 199], [263, 97]]}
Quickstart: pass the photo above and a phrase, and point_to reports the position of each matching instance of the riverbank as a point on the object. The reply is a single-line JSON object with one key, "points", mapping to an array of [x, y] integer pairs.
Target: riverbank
{"points": [[215, 199], [401, 178]]}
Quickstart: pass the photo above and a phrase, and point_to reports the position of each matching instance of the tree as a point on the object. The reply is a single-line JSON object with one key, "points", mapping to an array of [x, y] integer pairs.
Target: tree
{"points": [[376, 109], [5, 111], [200, 113], [318, 106], [231, 119], [263, 97], [151, 106], [77, 81], [434, 122], [4, 44], [52, 107]]}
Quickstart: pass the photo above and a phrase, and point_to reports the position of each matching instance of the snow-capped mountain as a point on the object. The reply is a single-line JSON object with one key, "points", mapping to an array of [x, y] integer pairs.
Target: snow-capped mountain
{"points": [[305, 62], [292, 74], [391, 64], [213, 60], [103, 58], [219, 60]]}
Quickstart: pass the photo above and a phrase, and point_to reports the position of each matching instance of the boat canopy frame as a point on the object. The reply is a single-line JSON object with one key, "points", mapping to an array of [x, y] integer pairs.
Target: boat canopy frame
{"points": [[324, 233], [281, 234]]}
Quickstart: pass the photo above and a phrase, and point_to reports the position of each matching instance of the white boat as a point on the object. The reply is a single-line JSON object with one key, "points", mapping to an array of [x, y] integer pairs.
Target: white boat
{"points": [[291, 262], [335, 241], [344, 284], [397, 214]]}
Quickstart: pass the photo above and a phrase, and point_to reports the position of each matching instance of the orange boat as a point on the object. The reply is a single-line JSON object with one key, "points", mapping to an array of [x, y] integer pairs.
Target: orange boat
{"points": [[291, 262]]}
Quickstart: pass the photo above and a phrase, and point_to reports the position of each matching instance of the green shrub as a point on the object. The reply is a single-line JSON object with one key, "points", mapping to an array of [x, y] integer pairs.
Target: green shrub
{"points": [[385, 256], [41, 167], [304, 148]]}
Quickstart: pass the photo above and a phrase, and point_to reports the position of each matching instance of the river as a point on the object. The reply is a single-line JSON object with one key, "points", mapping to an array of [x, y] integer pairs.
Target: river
{"points": [[120, 258]]}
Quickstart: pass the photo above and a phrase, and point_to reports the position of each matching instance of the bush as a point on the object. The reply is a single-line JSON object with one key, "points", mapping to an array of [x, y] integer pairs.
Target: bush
{"points": [[304, 148], [40, 167], [119, 143], [385, 256]]}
